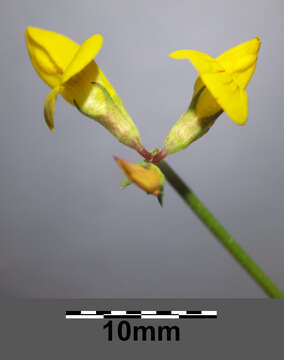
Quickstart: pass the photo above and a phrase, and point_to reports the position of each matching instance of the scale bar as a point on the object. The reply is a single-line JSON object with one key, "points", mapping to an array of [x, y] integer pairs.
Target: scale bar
{"points": [[143, 314]]}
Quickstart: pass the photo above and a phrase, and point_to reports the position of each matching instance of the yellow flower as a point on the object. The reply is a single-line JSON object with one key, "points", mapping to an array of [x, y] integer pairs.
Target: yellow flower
{"points": [[69, 69], [219, 87], [225, 79], [145, 175]]}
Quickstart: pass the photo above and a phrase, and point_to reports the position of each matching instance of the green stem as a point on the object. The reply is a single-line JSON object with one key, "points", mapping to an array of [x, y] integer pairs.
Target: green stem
{"points": [[220, 232]]}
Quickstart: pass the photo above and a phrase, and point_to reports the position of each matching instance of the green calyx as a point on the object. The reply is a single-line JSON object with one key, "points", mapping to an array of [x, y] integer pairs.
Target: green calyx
{"points": [[113, 116], [188, 128]]}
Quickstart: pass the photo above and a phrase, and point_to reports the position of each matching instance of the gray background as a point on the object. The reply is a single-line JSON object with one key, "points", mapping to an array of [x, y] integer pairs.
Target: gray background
{"points": [[243, 327], [66, 228]]}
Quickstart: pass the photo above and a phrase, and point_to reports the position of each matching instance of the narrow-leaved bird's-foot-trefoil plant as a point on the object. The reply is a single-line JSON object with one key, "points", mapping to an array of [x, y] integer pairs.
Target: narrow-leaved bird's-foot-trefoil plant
{"points": [[69, 69]]}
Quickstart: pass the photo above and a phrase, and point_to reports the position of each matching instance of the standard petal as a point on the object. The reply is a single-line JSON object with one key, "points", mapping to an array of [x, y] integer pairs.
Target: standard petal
{"points": [[87, 51], [50, 53], [221, 84], [241, 61], [202, 62], [49, 107]]}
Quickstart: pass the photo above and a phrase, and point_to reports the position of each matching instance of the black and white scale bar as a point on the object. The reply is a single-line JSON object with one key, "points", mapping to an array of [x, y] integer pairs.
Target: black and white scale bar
{"points": [[147, 314]]}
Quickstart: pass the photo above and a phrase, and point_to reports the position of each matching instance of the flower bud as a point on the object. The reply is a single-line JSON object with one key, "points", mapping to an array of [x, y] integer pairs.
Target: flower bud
{"points": [[145, 175]]}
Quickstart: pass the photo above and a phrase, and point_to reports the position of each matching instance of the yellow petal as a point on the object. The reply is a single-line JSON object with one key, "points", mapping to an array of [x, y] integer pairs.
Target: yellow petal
{"points": [[49, 107], [206, 105], [232, 99], [50, 53], [202, 62], [149, 179], [241, 61], [87, 51], [221, 84]]}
